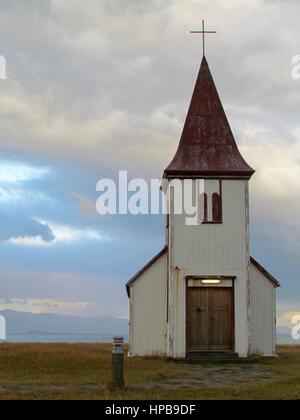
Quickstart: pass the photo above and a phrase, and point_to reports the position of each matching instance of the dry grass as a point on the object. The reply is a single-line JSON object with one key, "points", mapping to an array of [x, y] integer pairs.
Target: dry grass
{"points": [[82, 371]]}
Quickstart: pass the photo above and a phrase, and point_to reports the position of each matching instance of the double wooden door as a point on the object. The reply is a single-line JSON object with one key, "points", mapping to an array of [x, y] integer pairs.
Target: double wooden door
{"points": [[210, 319]]}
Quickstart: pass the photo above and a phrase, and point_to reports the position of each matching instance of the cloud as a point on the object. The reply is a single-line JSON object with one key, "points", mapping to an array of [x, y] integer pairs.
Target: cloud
{"points": [[113, 89], [38, 306], [17, 181], [62, 293], [18, 172], [30, 241], [65, 233], [275, 189], [14, 221], [60, 233], [22, 192], [20, 226]]}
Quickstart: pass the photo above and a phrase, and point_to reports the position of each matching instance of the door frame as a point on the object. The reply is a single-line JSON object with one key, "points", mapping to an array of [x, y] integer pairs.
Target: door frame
{"points": [[187, 278]]}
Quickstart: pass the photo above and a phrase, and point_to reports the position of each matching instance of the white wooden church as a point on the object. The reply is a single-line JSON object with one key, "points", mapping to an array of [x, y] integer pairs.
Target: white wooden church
{"points": [[204, 293]]}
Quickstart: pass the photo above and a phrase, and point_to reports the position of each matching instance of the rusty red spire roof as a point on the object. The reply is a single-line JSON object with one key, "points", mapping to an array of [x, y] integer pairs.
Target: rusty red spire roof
{"points": [[207, 147]]}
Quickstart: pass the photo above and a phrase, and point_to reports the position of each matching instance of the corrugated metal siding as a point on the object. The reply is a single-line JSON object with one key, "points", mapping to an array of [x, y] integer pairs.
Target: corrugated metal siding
{"points": [[211, 249], [148, 311], [263, 313]]}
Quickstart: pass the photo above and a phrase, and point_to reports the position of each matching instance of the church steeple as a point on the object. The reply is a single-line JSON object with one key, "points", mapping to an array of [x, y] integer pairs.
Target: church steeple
{"points": [[207, 147]]}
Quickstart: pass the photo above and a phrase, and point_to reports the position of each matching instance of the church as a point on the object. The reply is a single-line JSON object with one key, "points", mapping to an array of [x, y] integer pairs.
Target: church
{"points": [[203, 294]]}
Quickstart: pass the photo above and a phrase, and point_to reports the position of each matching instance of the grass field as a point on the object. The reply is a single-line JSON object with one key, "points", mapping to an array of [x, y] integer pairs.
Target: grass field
{"points": [[82, 371]]}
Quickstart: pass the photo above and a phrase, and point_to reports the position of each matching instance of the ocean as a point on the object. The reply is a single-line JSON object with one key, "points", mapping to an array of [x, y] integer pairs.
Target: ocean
{"points": [[287, 339], [97, 338], [63, 338]]}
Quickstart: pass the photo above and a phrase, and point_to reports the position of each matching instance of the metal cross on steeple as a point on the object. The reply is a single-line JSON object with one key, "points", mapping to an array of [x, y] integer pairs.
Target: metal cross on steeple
{"points": [[203, 32]]}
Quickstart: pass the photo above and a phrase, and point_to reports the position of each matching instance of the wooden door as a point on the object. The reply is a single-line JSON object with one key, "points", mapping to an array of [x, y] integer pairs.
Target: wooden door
{"points": [[221, 319], [209, 319], [198, 319]]}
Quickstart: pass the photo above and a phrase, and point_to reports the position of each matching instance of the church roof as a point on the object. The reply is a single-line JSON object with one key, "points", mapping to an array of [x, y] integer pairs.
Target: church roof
{"points": [[145, 268], [207, 147], [265, 272]]}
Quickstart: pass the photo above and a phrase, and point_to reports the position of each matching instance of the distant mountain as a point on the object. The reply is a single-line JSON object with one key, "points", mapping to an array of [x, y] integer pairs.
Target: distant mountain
{"points": [[39, 324], [37, 332], [24, 322]]}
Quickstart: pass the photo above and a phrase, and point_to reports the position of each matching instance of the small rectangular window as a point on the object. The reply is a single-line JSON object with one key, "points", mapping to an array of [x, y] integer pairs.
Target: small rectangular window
{"points": [[213, 203]]}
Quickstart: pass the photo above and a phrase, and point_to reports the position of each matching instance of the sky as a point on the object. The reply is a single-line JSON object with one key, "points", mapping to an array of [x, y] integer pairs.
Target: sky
{"points": [[98, 86]]}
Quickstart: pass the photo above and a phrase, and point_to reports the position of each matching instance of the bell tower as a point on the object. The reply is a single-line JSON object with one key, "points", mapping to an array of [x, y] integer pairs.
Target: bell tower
{"points": [[208, 264]]}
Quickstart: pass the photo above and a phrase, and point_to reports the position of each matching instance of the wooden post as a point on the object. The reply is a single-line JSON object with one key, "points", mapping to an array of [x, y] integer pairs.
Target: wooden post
{"points": [[118, 362]]}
